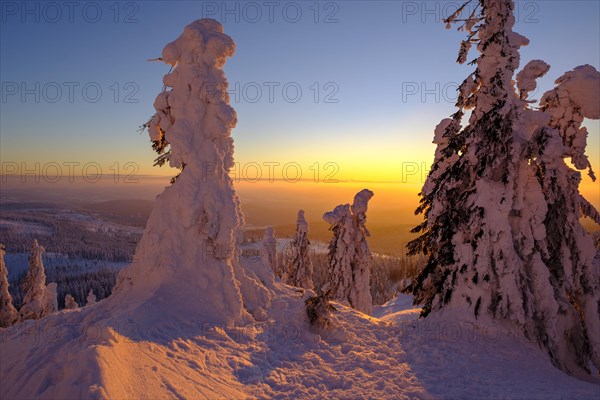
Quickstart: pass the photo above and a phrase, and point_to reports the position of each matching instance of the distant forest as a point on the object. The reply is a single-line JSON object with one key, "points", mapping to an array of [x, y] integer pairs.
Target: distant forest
{"points": [[92, 248], [68, 236]]}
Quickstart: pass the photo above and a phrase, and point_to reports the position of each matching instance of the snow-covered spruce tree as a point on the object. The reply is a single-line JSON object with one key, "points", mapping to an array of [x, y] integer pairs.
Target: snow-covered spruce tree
{"points": [[70, 303], [91, 298], [501, 228], [268, 249], [8, 314], [349, 254], [186, 264], [34, 286], [299, 268]]}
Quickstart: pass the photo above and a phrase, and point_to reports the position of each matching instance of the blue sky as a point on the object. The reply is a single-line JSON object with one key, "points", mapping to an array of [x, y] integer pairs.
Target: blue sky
{"points": [[364, 54]]}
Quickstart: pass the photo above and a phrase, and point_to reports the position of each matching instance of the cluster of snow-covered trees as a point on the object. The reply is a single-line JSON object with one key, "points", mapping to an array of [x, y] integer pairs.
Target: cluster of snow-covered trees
{"points": [[348, 276], [502, 207], [502, 232], [39, 299], [72, 278], [388, 274]]}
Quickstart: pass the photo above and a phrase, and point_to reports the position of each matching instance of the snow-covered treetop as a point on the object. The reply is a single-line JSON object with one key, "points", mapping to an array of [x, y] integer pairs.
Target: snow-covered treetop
{"points": [[349, 255], [490, 27], [198, 98], [203, 41], [301, 225], [501, 206], [338, 214], [361, 201], [34, 285], [359, 207]]}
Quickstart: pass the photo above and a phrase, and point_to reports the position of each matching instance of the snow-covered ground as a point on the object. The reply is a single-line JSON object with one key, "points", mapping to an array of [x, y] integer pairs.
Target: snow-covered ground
{"points": [[457, 359], [104, 351], [398, 309]]}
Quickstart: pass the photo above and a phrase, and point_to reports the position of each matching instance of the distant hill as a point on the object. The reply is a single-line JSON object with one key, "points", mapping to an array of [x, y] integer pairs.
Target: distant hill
{"points": [[133, 212]]}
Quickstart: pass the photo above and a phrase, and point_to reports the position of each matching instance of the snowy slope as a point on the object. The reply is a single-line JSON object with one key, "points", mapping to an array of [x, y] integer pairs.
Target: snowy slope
{"points": [[106, 351], [398, 309]]}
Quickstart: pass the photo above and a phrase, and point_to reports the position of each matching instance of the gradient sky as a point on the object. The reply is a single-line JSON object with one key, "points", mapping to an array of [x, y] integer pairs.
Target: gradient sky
{"points": [[372, 54]]}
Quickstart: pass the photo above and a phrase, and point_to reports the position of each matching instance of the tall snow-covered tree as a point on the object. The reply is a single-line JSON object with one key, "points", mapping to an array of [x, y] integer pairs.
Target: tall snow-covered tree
{"points": [[70, 303], [34, 286], [268, 247], [189, 248], [8, 314], [91, 298], [349, 254], [299, 268], [501, 228]]}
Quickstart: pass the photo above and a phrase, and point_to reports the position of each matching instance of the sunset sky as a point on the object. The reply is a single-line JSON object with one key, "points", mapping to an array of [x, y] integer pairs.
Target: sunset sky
{"points": [[369, 120]]}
